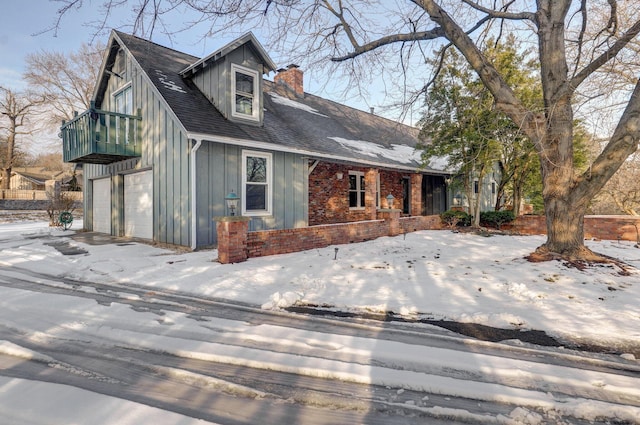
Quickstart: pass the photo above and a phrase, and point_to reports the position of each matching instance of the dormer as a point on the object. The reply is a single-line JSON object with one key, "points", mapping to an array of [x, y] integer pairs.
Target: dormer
{"points": [[231, 78]]}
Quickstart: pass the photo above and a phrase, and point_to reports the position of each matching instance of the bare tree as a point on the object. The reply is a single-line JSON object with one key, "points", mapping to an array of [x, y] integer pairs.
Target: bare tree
{"points": [[66, 80], [574, 40], [621, 194], [15, 110]]}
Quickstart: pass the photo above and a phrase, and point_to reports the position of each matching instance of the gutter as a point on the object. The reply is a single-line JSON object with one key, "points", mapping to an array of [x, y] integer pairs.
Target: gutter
{"points": [[269, 146], [194, 216]]}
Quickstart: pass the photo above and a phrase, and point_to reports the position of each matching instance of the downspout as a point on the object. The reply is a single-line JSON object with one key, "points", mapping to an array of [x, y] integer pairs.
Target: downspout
{"points": [[194, 217]]}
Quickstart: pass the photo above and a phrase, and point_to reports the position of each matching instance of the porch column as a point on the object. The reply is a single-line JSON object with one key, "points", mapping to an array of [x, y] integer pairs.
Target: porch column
{"points": [[232, 238], [370, 193], [416, 194]]}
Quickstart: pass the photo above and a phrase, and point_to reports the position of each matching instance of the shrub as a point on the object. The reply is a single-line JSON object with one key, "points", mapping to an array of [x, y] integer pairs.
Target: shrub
{"points": [[496, 218], [453, 218]]}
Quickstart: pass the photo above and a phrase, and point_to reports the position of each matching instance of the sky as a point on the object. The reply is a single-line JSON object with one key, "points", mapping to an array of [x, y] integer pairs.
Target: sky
{"points": [[23, 32], [420, 275]]}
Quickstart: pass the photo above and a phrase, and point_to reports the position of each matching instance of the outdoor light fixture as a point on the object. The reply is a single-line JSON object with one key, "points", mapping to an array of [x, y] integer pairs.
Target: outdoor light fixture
{"points": [[232, 202], [390, 199], [339, 175]]}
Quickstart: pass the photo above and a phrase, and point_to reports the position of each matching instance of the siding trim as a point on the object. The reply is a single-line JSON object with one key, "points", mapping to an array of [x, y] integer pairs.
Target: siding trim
{"points": [[194, 216]]}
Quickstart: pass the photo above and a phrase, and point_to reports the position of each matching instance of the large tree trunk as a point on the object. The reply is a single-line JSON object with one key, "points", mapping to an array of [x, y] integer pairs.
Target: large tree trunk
{"points": [[6, 178], [11, 144]]}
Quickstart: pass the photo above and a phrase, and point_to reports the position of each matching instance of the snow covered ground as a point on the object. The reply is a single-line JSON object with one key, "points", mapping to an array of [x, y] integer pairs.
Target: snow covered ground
{"points": [[435, 274]]}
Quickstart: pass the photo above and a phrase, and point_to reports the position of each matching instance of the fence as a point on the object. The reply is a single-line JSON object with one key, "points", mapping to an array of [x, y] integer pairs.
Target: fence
{"points": [[34, 195]]}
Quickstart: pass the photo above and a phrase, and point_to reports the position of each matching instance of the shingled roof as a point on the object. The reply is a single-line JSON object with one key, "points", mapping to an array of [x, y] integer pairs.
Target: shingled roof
{"points": [[307, 124]]}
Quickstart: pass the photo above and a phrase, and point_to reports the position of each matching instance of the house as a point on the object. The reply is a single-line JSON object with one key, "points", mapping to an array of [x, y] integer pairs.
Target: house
{"points": [[170, 135], [35, 178]]}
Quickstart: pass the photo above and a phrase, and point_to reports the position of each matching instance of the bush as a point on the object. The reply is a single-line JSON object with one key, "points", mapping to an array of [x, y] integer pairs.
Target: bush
{"points": [[453, 218], [496, 218]]}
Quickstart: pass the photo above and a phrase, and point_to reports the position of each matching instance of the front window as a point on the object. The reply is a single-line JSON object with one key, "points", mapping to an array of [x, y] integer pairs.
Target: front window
{"points": [[356, 190], [245, 91], [256, 180]]}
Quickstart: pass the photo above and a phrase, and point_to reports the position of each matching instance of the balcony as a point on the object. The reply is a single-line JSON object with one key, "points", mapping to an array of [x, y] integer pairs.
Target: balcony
{"points": [[101, 137]]}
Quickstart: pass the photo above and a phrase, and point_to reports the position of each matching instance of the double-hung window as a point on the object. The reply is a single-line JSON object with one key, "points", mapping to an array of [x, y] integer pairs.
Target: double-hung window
{"points": [[256, 181], [244, 82], [356, 190]]}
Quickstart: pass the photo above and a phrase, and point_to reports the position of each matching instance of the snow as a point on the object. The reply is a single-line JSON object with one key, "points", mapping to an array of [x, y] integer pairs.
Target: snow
{"points": [[23, 402], [398, 153], [433, 274], [281, 100]]}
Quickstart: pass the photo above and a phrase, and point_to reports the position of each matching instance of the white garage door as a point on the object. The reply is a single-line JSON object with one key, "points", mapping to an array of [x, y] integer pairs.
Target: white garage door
{"points": [[102, 205], [138, 205]]}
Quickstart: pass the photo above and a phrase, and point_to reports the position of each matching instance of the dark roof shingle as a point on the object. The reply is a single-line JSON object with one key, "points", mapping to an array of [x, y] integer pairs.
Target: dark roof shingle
{"points": [[309, 124]]}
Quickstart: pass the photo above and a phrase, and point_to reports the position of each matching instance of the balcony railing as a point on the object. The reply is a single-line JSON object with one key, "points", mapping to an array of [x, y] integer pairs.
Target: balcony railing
{"points": [[101, 137]]}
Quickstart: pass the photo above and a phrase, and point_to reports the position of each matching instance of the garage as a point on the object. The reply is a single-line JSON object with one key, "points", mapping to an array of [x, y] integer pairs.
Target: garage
{"points": [[138, 205], [102, 205]]}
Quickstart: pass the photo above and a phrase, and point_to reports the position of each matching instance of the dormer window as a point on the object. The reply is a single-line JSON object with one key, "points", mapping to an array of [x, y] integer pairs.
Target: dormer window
{"points": [[244, 82]]}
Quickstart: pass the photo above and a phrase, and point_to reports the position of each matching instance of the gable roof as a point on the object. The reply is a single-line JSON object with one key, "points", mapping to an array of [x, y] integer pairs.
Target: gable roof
{"points": [[37, 175], [309, 125], [248, 38]]}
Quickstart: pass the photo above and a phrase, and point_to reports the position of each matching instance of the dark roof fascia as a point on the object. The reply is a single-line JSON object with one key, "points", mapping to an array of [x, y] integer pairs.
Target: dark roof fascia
{"points": [[224, 51], [103, 77]]}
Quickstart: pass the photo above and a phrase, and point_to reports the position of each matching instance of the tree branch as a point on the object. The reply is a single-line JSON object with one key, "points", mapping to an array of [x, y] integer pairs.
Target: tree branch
{"points": [[499, 14], [622, 144], [605, 57], [396, 38], [532, 124]]}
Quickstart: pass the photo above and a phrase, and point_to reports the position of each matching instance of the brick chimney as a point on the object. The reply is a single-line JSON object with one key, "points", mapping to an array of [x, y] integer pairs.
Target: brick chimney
{"points": [[292, 77]]}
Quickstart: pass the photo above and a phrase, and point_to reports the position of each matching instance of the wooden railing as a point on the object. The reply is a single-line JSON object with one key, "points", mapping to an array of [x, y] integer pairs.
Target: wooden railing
{"points": [[101, 137]]}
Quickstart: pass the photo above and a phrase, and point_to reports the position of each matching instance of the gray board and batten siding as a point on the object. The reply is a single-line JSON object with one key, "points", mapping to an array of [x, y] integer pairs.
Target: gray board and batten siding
{"points": [[161, 134], [219, 170], [166, 150]]}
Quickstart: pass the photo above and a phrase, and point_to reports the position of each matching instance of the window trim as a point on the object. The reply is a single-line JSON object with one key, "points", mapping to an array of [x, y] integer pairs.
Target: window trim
{"points": [[255, 115], [124, 92], [269, 179], [360, 191]]}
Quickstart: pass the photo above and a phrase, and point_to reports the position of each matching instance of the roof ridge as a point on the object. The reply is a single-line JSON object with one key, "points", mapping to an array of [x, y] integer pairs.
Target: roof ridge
{"points": [[144, 40]]}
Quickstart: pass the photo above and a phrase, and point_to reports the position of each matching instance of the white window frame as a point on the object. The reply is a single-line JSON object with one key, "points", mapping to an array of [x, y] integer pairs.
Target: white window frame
{"points": [[269, 179], [360, 191], [378, 199], [255, 105], [124, 91]]}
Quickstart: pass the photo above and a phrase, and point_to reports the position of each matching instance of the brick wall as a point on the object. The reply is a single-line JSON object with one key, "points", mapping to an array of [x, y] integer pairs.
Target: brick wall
{"points": [[271, 242], [610, 227], [329, 196]]}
